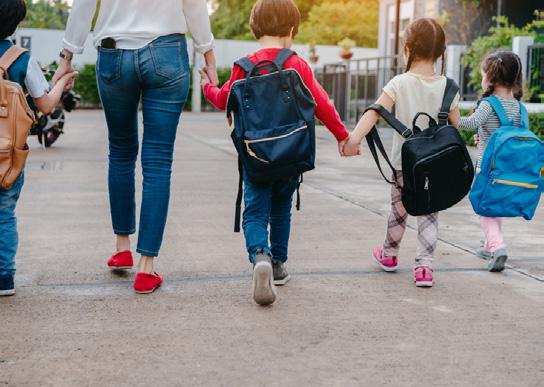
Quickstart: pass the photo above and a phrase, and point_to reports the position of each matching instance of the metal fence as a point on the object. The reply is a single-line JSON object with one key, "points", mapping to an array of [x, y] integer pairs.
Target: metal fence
{"points": [[535, 81], [355, 84]]}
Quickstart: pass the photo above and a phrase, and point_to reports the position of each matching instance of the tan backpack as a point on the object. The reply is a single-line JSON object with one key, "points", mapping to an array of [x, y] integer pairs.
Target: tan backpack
{"points": [[16, 119]]}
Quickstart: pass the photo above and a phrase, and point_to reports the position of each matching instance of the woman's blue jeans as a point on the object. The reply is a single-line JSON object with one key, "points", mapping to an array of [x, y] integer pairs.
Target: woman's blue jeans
{"points": [[158, 75], [268, 206]]}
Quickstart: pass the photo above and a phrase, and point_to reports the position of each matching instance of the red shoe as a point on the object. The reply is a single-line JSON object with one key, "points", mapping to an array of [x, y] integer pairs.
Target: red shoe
{"points": [[387, 263], [121, 260], [147, 283]]}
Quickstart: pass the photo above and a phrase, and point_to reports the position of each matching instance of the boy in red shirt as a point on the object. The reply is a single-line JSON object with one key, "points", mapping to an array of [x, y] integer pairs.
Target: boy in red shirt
{"points": [[274, 24]]}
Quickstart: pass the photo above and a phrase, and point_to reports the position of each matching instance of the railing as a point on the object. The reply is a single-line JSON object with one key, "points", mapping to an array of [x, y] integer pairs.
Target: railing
{"points": [[355, 84], [535, 81]]}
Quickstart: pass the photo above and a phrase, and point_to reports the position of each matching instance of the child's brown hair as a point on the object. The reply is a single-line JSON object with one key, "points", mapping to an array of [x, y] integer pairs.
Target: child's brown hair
{"points": [[274, 18], [425, 39], [503, 68]]}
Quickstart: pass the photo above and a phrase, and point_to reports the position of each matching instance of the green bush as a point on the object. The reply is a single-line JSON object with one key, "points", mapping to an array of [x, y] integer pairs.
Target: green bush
{"points": [[87, 88], [86, 85]]}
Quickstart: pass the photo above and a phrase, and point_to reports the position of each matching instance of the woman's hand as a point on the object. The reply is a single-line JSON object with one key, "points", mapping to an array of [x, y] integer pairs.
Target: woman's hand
{"points": [[211, 68], [204, 79], [65, 67]]}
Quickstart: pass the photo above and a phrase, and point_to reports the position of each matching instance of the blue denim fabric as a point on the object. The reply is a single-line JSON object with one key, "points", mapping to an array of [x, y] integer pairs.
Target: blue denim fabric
{"points": [[9, 238], [268, 205], [158, 75]]}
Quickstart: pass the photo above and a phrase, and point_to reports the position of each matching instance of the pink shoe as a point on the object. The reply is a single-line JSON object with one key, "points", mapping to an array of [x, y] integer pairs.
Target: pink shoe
{"points": [[423, 276], [386, 263]]}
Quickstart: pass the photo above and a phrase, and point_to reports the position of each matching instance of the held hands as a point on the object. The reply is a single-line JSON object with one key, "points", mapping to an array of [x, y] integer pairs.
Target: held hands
{"points": [[204, 78], [65, 67], [351, 147]]}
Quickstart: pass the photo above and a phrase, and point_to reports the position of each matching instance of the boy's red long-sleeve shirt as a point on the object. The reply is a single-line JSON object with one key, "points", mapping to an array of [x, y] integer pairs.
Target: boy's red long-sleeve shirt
{"points": [[325, 110]]}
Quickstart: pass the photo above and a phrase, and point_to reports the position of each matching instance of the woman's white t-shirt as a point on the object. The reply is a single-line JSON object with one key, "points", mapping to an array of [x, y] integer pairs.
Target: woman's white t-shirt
{"points": [[135, 23], [414, 93]]}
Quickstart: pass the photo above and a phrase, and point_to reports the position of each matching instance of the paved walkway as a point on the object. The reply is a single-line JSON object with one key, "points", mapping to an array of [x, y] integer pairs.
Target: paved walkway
{"points": [[340, 321]]}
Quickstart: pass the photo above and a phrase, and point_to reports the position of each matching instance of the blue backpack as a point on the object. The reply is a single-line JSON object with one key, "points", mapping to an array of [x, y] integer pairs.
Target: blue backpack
{"points": [[274, 124], [511, 178]]}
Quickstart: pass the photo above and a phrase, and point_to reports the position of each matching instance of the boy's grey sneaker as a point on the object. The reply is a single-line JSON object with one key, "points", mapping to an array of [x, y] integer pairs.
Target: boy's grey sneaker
{"points": [[481, 252], [498, 260], [281, 276], [7, 286], [264, 291]]}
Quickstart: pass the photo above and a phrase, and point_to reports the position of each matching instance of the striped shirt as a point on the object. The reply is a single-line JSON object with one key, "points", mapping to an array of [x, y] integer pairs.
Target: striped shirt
{"points": [[486, 121]]}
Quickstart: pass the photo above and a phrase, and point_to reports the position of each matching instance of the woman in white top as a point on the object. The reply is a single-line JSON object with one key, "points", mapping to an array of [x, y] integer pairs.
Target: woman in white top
{"points": [[142, 56]]}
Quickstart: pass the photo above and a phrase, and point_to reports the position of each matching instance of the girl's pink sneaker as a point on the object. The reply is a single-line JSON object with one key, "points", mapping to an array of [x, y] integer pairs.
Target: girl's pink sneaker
{"points": [[386, 263], [423, 276]]}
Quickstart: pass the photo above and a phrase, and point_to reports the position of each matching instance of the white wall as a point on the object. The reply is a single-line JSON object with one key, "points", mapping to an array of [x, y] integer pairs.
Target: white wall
{"points": [[46, 44]]}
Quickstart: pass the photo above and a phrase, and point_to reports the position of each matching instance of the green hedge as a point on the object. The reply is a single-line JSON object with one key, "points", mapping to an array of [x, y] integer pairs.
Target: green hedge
{"points": [[86, 87]]}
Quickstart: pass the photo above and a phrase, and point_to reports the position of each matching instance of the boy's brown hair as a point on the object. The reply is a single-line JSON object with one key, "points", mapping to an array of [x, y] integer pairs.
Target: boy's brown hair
{"points": [[274, 18], [425, 39]]}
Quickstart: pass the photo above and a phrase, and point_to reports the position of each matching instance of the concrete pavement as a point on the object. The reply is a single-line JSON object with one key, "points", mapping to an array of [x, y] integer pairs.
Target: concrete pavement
{"points": [[340, 321]]}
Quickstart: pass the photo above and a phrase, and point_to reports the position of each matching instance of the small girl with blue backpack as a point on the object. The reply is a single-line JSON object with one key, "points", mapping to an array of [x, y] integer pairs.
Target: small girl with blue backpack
{"points": [[510, 156]]}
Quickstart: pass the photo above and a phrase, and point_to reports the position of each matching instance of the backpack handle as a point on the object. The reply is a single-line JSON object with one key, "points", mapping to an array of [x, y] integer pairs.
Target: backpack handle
{"points": [[257, 67], [391, 120], [416, 129]]}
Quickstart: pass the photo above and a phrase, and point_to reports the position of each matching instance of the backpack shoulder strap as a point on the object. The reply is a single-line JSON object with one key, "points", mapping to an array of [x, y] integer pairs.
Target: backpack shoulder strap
{"points": [[10, 56], [283, 56], [391, 120], [449, 95], [246, 64], [524, 115], [496, 105]]}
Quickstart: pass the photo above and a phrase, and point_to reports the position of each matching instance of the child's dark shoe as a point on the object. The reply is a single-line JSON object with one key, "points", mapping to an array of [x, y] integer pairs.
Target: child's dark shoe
{"points": [[121, 261], [264, 291], [147, 283], [281, 276], [7, 285], [387, 263]]}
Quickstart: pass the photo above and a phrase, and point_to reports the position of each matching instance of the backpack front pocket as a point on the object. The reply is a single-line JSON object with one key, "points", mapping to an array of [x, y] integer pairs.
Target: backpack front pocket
{"points": [[283, 145], [511, 197]]}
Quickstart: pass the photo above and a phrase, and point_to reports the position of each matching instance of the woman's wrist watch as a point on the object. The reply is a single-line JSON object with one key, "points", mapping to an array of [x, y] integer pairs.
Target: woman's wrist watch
{"points": [[66, 55]]}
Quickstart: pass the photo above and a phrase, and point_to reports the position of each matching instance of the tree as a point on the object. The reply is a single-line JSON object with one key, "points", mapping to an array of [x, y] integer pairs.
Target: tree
{"points": [[51, 14], [499, 36], [332, 21], [323, 21], [465, 20]]}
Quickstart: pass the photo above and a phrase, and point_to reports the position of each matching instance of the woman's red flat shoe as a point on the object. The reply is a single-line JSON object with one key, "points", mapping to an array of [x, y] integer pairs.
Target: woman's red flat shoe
{"points": [[147, 283], [121, 260]]}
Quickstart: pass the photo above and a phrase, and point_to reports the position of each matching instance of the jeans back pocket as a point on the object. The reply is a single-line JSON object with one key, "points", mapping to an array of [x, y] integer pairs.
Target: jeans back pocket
{"points": [[167, 59], [109, 64]]}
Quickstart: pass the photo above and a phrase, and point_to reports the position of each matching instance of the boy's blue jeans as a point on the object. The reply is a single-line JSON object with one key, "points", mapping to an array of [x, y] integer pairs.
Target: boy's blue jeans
{"points": [[268, 205], [9, 238], [158, 75]]}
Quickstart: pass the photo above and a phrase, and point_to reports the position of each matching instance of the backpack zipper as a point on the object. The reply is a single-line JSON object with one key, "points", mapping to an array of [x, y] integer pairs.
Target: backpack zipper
{"points": [[276, 137], [254, 155], [515, 183]]}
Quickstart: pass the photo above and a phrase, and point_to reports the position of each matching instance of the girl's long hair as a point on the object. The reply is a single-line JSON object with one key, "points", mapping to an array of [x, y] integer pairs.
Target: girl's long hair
{"points": [[425, 39], [503, 68]]}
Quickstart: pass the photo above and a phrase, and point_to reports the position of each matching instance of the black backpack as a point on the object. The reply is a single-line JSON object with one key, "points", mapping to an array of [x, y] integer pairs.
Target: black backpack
{"points": [[274, 123], [436, 166]]}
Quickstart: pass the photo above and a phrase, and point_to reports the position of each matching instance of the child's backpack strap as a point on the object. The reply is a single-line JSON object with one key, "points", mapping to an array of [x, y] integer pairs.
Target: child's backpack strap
{"points": [[449, 95], [524, 115], [246, 64], [283, 56], [10, 56], [498, 109]]}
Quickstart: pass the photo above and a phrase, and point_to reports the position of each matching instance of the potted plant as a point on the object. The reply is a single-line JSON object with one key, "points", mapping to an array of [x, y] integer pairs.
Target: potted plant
{"points": [[346, 45], [314, 58]]}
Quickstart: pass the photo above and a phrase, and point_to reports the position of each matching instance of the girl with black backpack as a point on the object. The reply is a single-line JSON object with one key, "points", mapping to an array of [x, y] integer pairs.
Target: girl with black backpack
{"points": [[419, 89]]}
